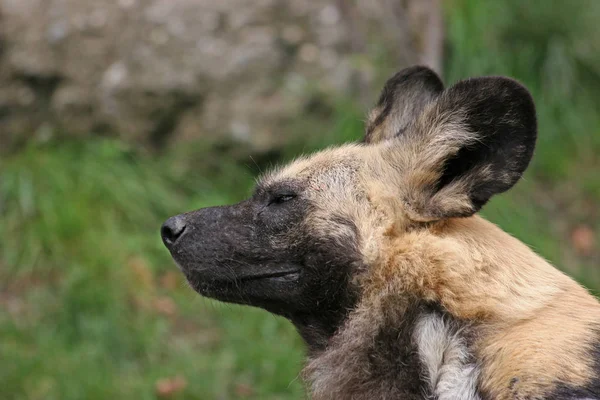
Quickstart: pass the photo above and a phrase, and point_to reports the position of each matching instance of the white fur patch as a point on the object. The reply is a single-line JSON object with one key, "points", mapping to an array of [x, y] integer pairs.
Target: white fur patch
{"points": [[445, 358]]}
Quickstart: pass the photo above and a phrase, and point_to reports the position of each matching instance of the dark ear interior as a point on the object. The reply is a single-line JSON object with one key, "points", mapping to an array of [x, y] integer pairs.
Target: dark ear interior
{"points": [[501, 114], [474, 141], [403, 99]]}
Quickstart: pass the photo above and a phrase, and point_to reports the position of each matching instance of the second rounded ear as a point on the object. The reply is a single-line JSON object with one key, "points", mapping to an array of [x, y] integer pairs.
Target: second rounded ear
{"points": [[402, 100], [473, 142]]}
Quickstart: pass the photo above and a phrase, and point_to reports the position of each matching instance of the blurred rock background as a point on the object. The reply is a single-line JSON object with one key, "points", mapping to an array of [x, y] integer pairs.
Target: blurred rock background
{"points": [[116, 114], [159, 71]]}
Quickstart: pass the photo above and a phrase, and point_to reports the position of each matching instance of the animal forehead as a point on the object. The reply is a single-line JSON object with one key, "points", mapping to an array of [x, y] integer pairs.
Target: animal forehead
{"points": [[330, 164]]}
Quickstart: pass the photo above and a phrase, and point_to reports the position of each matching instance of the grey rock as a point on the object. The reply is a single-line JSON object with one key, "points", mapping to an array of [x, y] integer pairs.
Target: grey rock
{"points": [[161, 71]]}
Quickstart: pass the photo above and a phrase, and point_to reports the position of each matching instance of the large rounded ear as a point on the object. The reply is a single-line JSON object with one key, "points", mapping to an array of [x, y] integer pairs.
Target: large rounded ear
{"points": [[474, 141], [402, 100]]}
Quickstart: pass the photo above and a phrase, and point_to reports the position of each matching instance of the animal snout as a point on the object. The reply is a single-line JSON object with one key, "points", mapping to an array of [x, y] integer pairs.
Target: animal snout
{"points": [[172, 230]]}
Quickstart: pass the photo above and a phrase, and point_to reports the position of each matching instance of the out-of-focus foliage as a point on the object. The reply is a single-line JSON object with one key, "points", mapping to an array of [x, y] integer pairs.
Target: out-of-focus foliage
{"points": [[164, 71], [91, 306]]}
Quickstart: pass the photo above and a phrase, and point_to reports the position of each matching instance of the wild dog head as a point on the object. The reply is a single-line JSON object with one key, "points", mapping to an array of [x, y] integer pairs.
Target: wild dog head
{"points": [[300, 245]]}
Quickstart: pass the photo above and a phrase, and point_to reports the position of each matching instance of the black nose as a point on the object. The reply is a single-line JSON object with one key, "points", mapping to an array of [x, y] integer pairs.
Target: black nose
{"points": [[172, 230]]}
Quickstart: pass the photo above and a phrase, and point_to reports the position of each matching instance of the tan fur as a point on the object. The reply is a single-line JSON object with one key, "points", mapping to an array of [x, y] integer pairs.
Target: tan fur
{"points": [[472, 268], [532, 327], [376, 133], [480, 273]]}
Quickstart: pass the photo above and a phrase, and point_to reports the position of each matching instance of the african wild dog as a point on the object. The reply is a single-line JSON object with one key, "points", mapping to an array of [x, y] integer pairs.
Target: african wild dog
{"points": [[374, 252]]}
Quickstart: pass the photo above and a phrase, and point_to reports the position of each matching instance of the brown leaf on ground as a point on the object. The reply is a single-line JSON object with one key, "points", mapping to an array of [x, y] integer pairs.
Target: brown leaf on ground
{"points": [[170, 280], [244, 390], [165, 305], [583, 239], [169, 386], [143, 275]]}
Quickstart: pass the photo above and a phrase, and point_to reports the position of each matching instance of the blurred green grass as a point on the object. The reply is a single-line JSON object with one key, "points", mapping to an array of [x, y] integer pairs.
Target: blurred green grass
{"points": [[91, 306]]}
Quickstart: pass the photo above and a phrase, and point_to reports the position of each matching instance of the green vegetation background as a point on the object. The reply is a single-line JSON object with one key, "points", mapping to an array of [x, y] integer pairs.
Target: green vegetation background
{"points": [[91, 306]]}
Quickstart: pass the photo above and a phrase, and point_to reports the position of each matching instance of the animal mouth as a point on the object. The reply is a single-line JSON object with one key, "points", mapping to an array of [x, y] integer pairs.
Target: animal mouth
{"points": [[281, 275]]}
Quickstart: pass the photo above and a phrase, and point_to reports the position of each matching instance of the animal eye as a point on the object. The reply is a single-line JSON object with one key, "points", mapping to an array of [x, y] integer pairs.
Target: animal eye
{"points": [[281, 198]]}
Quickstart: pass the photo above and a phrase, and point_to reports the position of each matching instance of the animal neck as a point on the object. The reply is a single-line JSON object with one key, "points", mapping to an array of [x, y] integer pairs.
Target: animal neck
{"points": [[473, 269], [481, 272], [318, 326], [372, 355]]}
